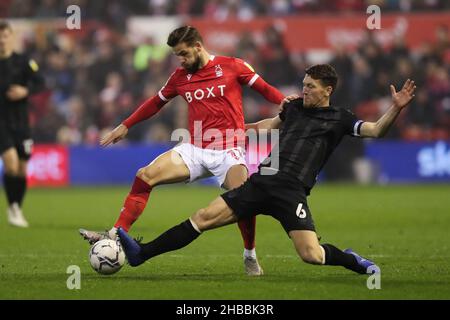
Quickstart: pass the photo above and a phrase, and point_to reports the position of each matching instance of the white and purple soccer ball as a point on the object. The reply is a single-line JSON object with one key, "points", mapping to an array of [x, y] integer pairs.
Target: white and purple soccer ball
{"points": [[106, 256]]}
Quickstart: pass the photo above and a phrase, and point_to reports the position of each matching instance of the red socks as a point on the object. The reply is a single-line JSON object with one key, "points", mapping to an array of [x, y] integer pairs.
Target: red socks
{"points": [[247, 228], [134, 204]]}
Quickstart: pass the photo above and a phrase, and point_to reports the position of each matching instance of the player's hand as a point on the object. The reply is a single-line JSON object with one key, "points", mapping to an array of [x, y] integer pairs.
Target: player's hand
{"points": [[17, 92], [114, 136], [288, 99], [404, 96]]}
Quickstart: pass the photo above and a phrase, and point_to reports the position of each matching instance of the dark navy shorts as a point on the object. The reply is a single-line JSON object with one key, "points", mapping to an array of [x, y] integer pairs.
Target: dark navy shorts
{"points": [[271, 195]]}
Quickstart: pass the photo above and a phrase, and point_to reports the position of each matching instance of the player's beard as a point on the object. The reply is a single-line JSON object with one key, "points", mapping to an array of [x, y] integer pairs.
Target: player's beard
{"points": [[194, 66]]}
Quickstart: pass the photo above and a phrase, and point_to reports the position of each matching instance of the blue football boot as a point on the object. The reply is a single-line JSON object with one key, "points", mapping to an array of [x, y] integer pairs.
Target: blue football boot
{"points": [[367, 266], [131, 247]]}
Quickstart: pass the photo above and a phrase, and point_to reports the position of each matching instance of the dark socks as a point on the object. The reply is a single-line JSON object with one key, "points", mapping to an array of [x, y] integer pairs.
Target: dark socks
{"points": [[173, 239], [9, 185], [336, 257], [15, 188], [21, 189]]}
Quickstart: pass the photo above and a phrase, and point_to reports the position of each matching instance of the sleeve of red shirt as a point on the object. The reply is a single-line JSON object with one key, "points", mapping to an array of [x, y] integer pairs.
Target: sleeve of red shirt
{"points": [[145, 111], [152, 106], [271, 94], [247, 76]]}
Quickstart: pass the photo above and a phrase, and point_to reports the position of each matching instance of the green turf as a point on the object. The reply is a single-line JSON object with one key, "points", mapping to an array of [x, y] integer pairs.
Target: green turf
{"points": [[405, 229]]}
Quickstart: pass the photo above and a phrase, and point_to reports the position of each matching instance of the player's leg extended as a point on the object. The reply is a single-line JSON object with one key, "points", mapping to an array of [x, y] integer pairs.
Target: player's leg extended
{"points": [[217, 214], [235, 177], [310, 251], [167, 168], [14, 183]]}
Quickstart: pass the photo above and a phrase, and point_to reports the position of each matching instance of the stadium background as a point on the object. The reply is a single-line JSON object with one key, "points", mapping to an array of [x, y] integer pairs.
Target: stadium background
{"points": [[98, 75]]}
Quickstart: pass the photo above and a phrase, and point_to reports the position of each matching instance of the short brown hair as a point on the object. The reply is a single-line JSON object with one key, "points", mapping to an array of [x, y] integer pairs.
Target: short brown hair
{"points": [[325, 73], [186, 34], [4, 25]]}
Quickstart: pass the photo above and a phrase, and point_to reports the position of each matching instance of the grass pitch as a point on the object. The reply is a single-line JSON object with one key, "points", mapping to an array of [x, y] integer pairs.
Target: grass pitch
{"points": [[405, 229]]}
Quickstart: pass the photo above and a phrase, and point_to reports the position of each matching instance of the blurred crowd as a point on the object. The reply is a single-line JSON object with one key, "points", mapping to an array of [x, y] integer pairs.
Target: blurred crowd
{"points": [[98, 79], [115, 12], [366, 75], [97, 82]]}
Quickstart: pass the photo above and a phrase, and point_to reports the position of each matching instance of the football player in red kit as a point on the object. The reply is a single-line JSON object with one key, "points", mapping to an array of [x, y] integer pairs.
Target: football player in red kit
{"points": [[212, 88]]}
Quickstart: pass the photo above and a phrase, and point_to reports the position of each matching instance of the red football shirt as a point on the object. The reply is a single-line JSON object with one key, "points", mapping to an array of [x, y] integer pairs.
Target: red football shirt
{"points": [[214, 97]]}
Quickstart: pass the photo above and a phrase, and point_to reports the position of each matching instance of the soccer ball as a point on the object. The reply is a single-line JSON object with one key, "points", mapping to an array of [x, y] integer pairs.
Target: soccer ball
{"points": [[106, 256]]}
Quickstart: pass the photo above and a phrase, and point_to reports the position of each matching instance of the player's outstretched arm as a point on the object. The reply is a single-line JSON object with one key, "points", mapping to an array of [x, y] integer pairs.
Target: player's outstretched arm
{"points": [[145, 111], [114, 136], [266, 124], [399, 101]]}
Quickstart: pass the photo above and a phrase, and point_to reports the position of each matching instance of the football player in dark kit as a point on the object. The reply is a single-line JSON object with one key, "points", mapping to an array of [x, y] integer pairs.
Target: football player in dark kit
{"points": [[310, 130], [19, 78]]}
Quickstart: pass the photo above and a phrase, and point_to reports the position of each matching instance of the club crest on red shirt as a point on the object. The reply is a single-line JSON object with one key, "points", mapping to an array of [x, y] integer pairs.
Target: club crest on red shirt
{"points": [[219, 71]]}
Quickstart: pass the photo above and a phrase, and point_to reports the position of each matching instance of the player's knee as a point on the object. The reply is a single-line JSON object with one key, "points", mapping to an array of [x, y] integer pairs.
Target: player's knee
{"points": [[146, 175], [11, 169], [203, 219], [202, 216], [11, 172], [311, 254]]}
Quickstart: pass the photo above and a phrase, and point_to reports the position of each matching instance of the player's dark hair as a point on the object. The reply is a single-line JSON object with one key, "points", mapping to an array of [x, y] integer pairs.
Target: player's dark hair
{"points": [[325, 73], [186, 34], [4, 25]]}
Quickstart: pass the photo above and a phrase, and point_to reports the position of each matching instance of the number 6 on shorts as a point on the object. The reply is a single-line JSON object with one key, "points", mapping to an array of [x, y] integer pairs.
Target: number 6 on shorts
{"points": [[301, 213]]}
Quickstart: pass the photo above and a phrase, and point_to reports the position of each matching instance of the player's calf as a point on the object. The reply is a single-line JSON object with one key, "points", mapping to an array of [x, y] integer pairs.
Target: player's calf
{"points": [[311, 254], [217, 214], [307, 246]]}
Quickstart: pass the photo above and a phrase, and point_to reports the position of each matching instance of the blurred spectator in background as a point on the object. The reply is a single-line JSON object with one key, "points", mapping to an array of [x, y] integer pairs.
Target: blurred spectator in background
{"points": [[20, 78]]}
